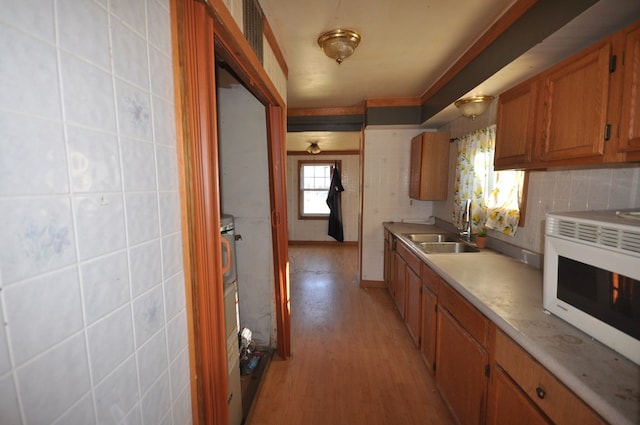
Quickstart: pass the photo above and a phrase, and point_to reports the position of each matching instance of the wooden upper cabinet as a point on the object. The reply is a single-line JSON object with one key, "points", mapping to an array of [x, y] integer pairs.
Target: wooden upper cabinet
{"points": [[516, 126], [429, 173], [576, 99], [584, 110], [630, 119]]}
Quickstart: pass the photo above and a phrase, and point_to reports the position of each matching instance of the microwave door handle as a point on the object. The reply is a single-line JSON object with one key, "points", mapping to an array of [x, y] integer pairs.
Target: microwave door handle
{"points": [[227, 247]]}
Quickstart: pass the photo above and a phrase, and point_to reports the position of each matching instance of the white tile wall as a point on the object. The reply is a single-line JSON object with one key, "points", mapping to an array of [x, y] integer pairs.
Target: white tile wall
{"points": [[91, 276], [386, 193], [576, 190]]}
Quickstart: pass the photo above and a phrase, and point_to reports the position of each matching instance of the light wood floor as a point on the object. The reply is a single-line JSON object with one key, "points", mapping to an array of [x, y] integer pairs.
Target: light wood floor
{"points": [[353, 361]]}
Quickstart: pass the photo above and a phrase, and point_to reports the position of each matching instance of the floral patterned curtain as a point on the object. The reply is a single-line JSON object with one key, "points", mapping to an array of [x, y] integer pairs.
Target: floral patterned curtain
{"points": [[495, 196]]}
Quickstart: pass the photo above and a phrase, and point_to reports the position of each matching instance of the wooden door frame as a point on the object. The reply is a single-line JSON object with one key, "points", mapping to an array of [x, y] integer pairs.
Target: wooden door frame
{"points": [[200, 32]]}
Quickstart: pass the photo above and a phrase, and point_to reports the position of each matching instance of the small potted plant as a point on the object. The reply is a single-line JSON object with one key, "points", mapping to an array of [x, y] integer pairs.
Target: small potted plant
{"points": [[481, 238]]}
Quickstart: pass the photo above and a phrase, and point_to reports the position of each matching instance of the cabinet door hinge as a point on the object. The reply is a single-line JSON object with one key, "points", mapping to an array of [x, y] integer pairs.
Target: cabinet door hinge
{"points": [[487, 371], [612, 63], [607, 132]]}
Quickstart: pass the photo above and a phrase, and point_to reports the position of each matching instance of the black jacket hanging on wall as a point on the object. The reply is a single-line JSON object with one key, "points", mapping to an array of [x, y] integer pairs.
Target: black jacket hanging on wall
{"points": [[333, 201]]}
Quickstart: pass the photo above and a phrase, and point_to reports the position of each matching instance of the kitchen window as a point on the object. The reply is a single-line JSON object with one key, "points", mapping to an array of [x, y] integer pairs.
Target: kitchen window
{"points": [[314, 182], [497, 196]]}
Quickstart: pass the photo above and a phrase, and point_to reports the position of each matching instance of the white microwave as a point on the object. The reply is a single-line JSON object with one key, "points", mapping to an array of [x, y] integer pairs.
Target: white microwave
{"points": [[592, 275]]}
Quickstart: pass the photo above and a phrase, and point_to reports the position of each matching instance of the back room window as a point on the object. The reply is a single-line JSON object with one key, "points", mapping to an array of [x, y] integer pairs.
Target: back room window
{"points": [[315, 180]]}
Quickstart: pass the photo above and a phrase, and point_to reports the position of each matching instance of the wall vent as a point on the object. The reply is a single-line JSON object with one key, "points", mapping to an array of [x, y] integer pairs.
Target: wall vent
{"points": [[253, 26]]}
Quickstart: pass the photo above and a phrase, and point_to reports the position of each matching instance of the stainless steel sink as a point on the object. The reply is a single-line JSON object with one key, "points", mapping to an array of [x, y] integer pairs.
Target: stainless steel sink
{"points": [[431, 237], [446, 247]]}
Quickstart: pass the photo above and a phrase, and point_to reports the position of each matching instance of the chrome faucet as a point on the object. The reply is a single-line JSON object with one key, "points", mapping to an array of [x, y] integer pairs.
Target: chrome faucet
{"points": [[465, 230]]}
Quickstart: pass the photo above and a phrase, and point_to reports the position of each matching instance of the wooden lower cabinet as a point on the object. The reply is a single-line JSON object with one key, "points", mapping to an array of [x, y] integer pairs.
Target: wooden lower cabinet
{"points": [[482, 374], [413, 305], [430, 288], [543, 389], [399, 282], [388, 262], [509, 405], [461, 370], [429, 328]]}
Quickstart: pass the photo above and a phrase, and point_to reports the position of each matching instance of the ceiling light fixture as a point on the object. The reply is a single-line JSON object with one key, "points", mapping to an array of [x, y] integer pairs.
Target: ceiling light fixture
{"points": [[473, 106], [313, 148], [339, 44]]}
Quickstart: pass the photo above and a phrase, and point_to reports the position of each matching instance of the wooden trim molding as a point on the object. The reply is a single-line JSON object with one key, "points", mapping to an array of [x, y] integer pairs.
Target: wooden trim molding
{"points": [[234, 48], [398, 101], [276, 132], [331, 153], [327, 112], [273, 43], [186, 204], [196, 115], [323, 243]]}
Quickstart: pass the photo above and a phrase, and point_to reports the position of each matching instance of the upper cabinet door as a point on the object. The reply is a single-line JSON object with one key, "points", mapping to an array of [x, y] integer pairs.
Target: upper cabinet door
{"points": [[429, 173], [516, 126], [576, 97], [630, 120], [416, 162]]}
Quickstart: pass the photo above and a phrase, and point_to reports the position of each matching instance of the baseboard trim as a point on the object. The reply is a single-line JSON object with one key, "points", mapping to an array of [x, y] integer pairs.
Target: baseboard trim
{"points": [[372, 284], [350, 243]]}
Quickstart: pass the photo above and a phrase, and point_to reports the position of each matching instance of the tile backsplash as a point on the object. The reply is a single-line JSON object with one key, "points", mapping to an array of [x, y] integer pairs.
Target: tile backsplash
{"points": [[92, 294]]}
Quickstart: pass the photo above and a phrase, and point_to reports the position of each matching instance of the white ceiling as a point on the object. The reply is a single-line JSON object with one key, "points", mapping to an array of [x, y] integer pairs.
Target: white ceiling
{"points": [[408, 44]]}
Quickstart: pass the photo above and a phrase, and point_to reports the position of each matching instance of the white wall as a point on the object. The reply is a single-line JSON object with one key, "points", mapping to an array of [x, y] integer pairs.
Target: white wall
{"points": [[244, 175], [91, 273], [316, 230], [386, 193]]}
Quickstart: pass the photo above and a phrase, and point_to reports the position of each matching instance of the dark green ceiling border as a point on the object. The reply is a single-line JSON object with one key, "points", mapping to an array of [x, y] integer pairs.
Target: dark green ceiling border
{"points": [[325, 123]]}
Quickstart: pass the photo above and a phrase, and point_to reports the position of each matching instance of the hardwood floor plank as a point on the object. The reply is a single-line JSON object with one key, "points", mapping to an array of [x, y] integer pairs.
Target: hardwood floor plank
{"points": [[353, 361]]}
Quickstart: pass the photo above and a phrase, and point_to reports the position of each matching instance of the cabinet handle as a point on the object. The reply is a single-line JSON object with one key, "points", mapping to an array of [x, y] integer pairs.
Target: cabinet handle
{"points": [[541, 393]]}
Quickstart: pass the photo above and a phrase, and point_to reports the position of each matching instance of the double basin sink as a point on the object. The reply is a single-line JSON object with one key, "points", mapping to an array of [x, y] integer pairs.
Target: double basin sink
{"points": [[440, 243]]}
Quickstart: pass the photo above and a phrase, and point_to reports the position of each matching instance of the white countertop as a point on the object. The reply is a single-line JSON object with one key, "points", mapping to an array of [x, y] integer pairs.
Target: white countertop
{"points": [[509, 293]]}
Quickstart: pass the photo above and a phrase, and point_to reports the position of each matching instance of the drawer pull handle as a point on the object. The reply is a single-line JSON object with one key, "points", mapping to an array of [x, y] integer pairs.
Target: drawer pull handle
{"points": [[541, 393]]}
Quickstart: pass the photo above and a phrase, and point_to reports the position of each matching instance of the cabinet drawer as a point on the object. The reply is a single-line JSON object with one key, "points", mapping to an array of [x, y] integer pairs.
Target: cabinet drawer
{"points": [[469, 317], [544, 389], [430, 278], [411, 259]]}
